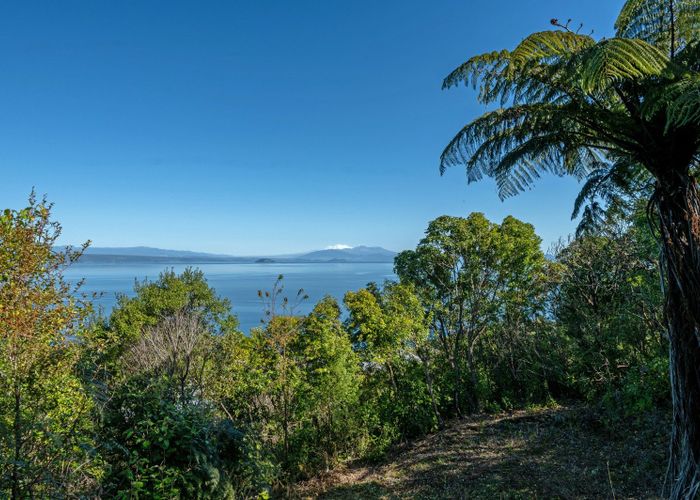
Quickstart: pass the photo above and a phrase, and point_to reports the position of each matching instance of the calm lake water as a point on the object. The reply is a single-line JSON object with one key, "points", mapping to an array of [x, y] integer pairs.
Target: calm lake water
{"points": [[237, 282]]}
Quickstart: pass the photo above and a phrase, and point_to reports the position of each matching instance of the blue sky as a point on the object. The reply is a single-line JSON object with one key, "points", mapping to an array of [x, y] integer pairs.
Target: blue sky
{"points": [[260, 126]]}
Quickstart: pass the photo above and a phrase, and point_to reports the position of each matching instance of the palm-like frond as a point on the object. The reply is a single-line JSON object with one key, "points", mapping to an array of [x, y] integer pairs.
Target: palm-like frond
{"points": [[613, 61], [546, 46], [611, 181], [681, 101], [666, 24], [567, 104], [478, 68], [516, 145], [592, 219], [615, 183]]}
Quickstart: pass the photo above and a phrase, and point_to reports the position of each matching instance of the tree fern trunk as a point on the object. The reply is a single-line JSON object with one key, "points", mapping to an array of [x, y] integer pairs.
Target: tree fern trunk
{"points": [[679, 217]]}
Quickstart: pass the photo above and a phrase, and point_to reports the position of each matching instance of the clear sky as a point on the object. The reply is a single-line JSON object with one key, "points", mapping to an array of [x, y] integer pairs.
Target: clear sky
{"points": [[256, 127]]}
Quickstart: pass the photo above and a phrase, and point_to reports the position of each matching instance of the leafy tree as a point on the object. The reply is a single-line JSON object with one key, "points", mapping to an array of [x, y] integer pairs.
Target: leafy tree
{"points": [[281, 378], [472, 274], [161, 431], [169, 295], [615, 112], [390, 332], [294, 382], [411, 323], [609, 302], [329, 394], [46, 445], [235, 384]]}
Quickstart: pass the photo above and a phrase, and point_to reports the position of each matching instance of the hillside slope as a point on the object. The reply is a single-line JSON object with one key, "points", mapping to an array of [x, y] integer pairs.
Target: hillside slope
{"points": [[554, 453]]}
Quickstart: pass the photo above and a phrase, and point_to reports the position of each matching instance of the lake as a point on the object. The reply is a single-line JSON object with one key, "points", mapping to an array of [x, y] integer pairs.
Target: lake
{"points": [[237, 282]]}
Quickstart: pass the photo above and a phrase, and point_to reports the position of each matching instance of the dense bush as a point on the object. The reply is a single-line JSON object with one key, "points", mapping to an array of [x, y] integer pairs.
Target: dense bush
{"points": [[609, 304], [167, 398]]}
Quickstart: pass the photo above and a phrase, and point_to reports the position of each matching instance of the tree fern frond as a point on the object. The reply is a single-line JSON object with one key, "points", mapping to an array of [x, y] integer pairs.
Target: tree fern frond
{"points": [[581, 162], [592, 219], [517, 144], [651, 21], [613, 183], [689, 56], [588, 191], [684, 108], [643, 19], [481, 143], [522, 165], [545, 45], [476, 67], [678, 101], [617, 59], [687, 22]]}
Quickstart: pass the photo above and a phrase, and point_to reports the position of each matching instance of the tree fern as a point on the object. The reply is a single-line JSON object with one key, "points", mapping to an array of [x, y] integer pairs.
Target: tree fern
{"points": [[621, 115], [564, 92]]}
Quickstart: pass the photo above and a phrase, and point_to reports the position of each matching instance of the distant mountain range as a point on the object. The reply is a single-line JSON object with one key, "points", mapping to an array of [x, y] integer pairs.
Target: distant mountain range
{"points": [[149, 252], [354, 254], [116, 255]]}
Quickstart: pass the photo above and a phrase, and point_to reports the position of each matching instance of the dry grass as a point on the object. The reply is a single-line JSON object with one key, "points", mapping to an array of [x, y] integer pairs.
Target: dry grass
{"points": [[552, 453]]}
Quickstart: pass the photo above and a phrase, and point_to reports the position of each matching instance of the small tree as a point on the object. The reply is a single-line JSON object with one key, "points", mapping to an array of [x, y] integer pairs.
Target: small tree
{"points": [[44, 426], [329, 393], [162, 433], [178, 348], [390, 332]]}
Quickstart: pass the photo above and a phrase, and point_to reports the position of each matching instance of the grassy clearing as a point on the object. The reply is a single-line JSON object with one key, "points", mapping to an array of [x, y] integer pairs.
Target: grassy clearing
{"points": [[548, 453]]}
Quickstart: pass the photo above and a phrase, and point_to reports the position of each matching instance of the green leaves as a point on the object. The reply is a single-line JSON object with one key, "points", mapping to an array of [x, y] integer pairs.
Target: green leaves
{"points": [[680, 101], [468, 273], [481, 66], [46, 438], [610, 304], [612, 62], [158, 447], [548, 46]]}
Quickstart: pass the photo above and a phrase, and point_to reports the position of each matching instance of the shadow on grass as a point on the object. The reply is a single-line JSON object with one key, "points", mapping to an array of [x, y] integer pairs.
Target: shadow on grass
{"points": [[371, 489], [561, 453]]}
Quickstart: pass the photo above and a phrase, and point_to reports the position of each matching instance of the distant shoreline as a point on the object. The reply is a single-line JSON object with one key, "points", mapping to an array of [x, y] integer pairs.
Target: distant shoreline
{"points": [[148, 255], [128, 259]]}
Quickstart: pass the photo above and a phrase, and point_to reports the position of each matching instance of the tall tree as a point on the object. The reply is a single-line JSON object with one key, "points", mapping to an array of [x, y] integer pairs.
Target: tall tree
{"points": [[615, 112], [470, 273]]}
